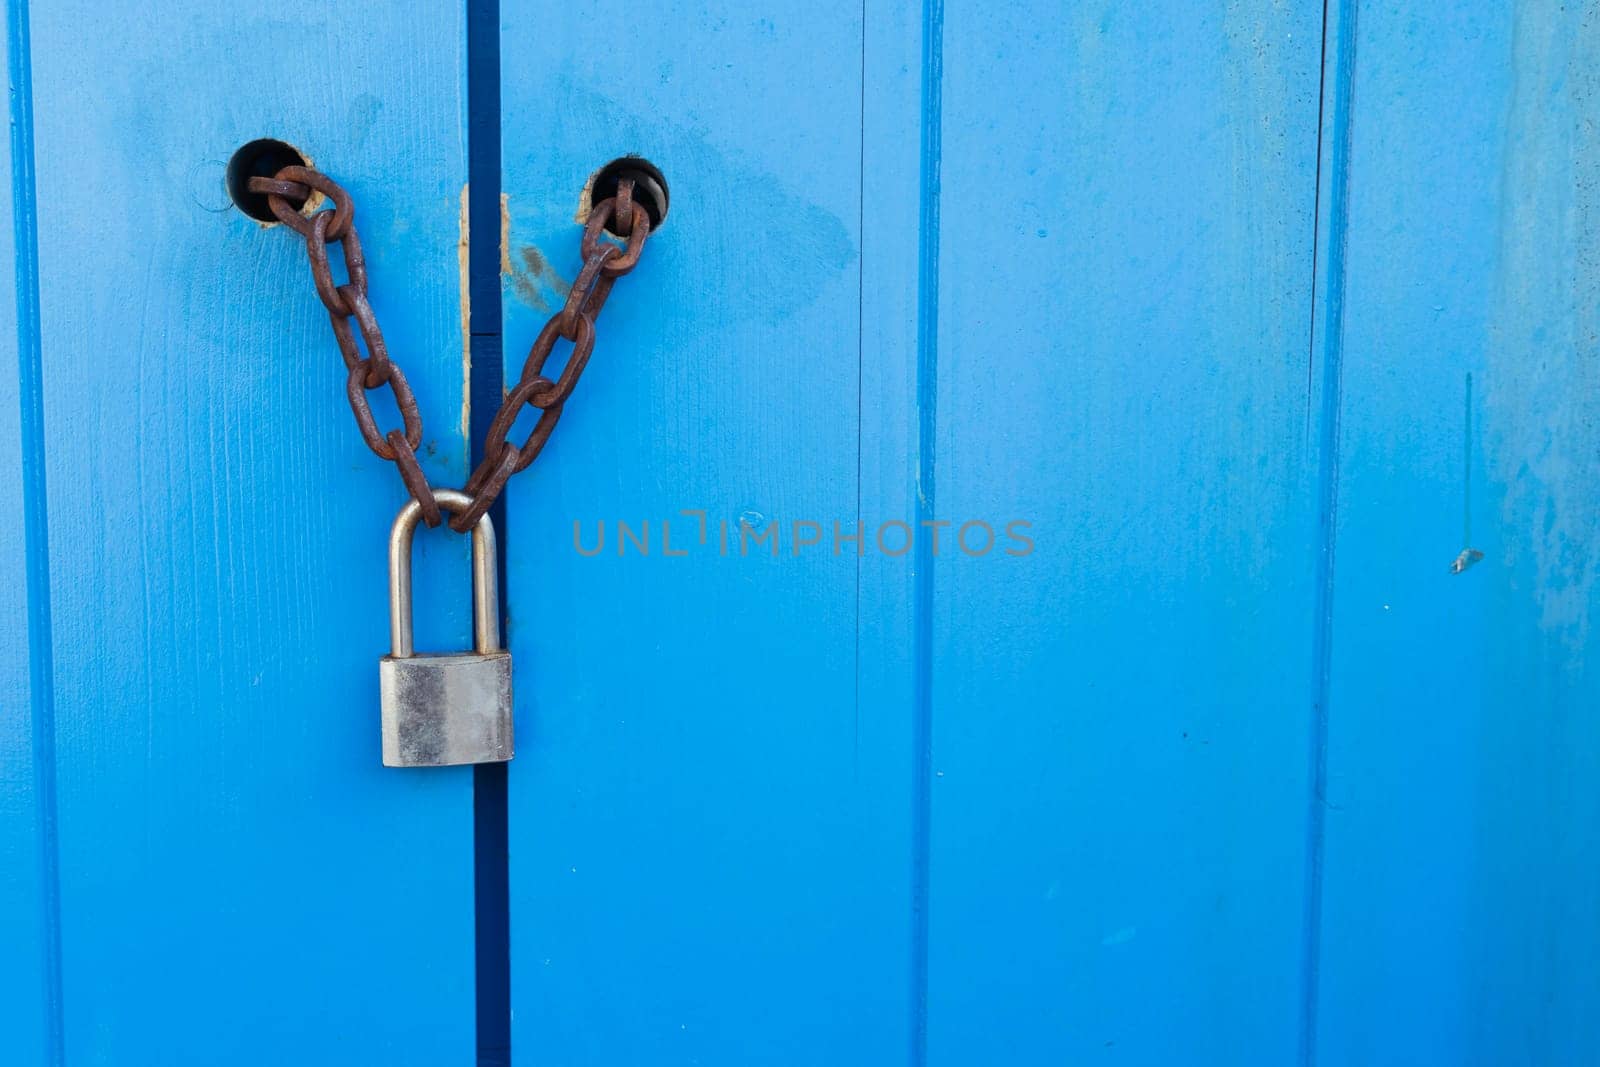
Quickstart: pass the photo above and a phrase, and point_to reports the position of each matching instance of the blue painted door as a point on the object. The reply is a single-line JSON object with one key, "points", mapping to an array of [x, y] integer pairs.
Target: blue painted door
{"points": [[203, 860], [1075, 545], [1034, 287], [1260, 317]]}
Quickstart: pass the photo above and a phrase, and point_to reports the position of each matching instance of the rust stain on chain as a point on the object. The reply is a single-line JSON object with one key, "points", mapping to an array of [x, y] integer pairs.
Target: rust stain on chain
{"points": [[462, 248], [603, 263], [312, 198]]}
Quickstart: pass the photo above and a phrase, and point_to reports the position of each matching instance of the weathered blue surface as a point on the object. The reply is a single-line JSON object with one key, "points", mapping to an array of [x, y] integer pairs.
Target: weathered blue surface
{"points": [[708, 829], [1277, 326], [1119, 720], [240, 880], [1460, 922], [1097, 253]]}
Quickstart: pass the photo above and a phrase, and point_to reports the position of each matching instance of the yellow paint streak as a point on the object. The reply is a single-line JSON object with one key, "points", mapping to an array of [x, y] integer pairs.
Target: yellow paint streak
{"points": [[506, 269], [462, 257], [586, 199]]}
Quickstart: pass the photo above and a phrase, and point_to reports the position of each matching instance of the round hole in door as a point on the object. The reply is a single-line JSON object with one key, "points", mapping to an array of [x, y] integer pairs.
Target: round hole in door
{"points": [[260, 158], [649, 188]]}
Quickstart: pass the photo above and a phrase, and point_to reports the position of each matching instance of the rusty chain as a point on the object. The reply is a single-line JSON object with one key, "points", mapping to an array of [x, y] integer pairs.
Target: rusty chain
{"points": [[603, 263]]}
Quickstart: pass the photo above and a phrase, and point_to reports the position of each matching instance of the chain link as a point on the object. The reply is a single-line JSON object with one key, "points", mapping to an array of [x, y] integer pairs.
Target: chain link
{"points": [[603, 263]]}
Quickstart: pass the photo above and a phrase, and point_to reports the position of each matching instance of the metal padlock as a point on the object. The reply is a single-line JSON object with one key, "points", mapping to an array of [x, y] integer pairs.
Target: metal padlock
{"points": [[440, 710]]}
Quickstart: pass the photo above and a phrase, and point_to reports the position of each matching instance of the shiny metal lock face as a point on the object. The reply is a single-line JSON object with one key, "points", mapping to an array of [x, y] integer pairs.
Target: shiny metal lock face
{"points": [[441, 710]]}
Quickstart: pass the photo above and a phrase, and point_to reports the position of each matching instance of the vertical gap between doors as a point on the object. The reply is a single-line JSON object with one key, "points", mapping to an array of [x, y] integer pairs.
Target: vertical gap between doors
{"points": [[491, 892]]}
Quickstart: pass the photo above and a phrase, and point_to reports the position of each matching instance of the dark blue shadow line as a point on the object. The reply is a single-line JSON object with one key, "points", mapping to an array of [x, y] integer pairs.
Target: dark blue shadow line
{"points": [[491, 885]]}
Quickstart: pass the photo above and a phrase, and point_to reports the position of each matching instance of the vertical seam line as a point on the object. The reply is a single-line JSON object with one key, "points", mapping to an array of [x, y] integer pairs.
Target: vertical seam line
{"points": [[35, 508], [931, 112], [1332, 323], [861, 358]]}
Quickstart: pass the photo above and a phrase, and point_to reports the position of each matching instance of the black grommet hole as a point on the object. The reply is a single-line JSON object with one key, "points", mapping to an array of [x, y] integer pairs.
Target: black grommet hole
{"points": [[259, 159], [649, 187]]}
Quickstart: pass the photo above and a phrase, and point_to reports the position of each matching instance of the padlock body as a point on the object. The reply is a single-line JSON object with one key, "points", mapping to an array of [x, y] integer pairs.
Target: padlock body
{"points": [[444, 710]]}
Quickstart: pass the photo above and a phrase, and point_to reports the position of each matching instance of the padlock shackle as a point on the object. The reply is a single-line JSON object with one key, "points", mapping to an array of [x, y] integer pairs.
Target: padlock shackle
{"points": [[485, 581]]}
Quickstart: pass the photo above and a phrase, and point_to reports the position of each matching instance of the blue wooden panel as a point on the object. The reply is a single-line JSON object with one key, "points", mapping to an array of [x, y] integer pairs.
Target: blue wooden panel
{"points": [[1463, 755], [29, 973], [240, 879], [890, 656], [709, 854], [1120, 719]]}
